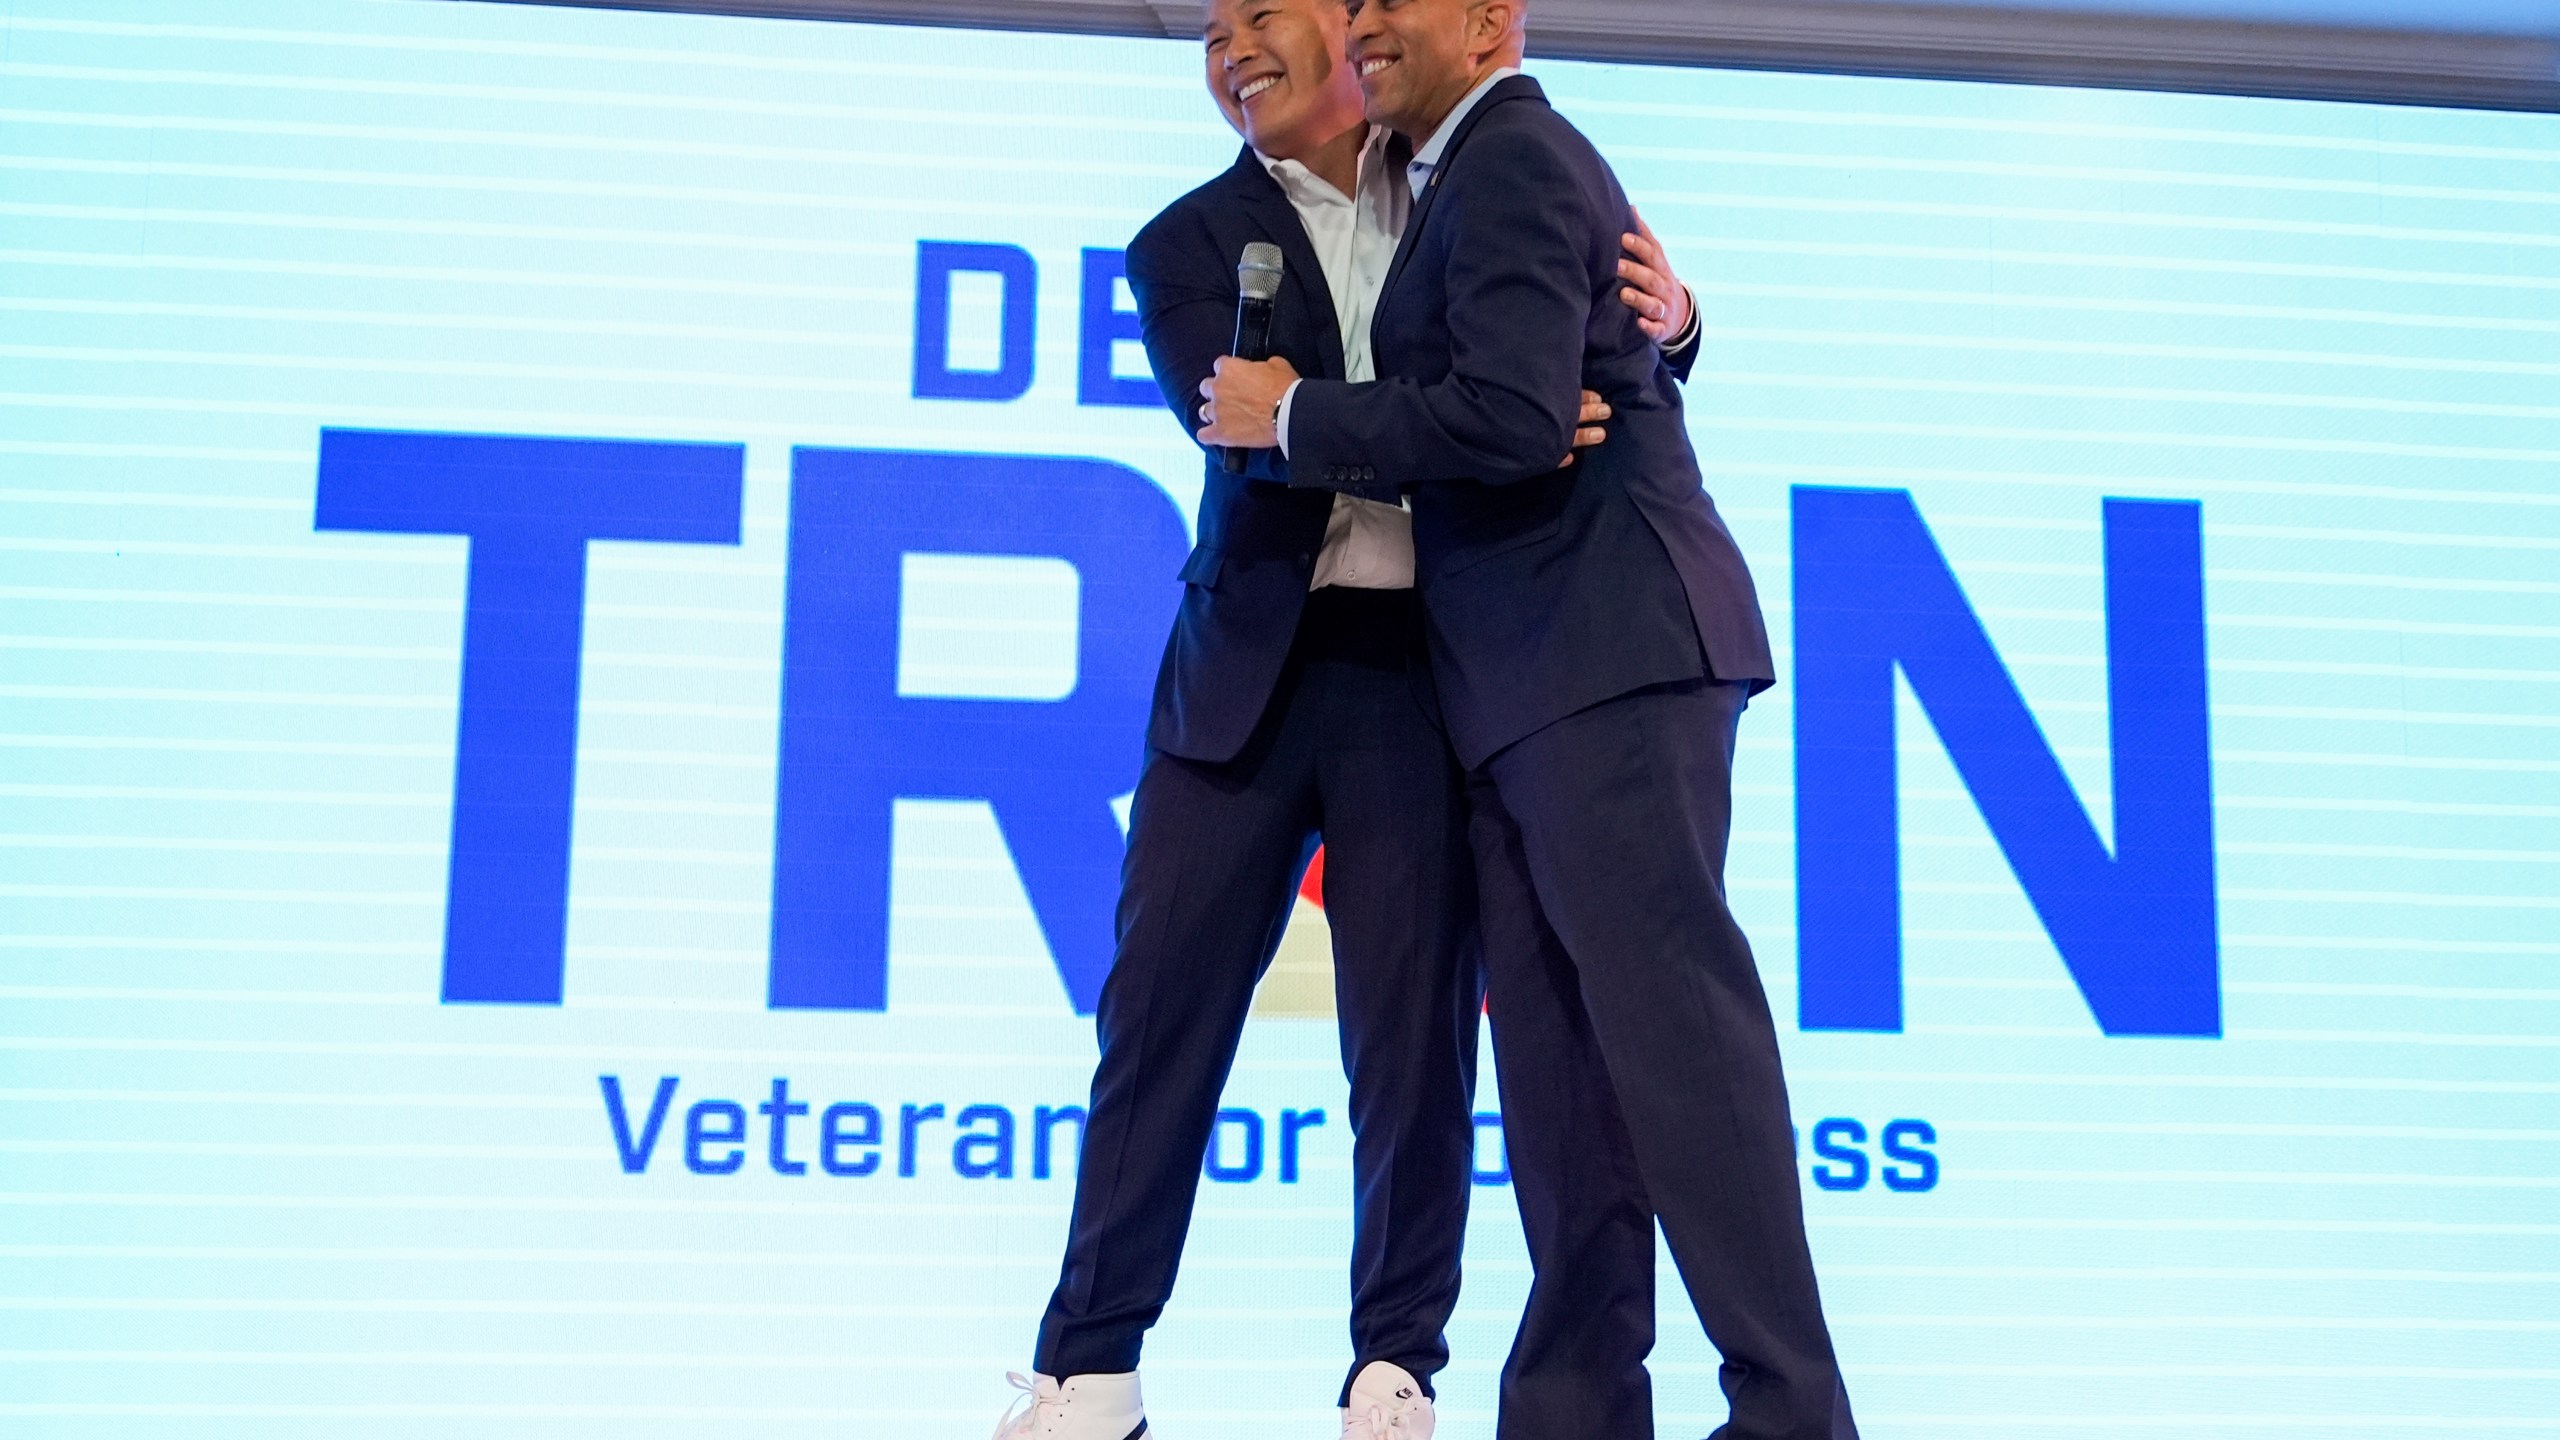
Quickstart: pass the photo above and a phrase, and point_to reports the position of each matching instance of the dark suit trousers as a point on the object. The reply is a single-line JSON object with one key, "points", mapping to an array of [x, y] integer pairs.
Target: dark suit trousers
{"points": [[1347, 753], [1640, 1075]]}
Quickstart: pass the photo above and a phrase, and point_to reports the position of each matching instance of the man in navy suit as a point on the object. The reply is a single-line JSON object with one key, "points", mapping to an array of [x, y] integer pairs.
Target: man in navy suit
{"points": [[1292, 706], [1594, 636]]}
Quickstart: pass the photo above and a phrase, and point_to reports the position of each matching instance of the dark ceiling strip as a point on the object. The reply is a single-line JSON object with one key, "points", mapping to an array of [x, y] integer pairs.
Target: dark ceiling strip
{"points": [[2496, 72]]}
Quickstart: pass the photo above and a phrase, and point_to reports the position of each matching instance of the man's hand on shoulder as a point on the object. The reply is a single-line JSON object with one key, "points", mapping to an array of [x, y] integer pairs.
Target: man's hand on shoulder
{"points": [[1241, 408], [1665, 310]]}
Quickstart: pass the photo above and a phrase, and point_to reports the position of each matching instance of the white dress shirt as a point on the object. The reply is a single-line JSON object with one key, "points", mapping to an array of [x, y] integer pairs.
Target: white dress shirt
{"points": [[1367, 545]]}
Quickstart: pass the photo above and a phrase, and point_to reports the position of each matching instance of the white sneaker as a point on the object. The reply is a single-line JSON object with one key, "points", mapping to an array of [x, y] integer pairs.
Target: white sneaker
{"points": [[1083, 1407], [1387, 1403]]}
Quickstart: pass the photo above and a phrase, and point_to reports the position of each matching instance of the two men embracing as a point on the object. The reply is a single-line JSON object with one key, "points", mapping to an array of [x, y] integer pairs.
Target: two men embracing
{"points": [[1468, 617]]}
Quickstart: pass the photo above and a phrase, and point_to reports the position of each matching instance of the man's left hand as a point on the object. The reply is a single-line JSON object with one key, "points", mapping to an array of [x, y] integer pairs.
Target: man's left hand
{"points": [[1662, 304], [1242, 402]]}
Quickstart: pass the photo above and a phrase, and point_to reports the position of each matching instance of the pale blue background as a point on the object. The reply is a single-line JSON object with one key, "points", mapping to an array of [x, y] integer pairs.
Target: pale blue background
{"points": [[255, 1181], [2512, 17]]}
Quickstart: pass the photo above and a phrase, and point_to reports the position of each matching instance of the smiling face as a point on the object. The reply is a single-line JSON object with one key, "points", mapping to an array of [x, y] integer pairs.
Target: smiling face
{"points": [[1279, 72], [1418, 58]]}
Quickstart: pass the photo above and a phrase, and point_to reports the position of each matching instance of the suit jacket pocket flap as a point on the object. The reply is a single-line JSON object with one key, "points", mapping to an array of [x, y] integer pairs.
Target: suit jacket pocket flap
{"points": [[1203, 567], [1475, 549]]}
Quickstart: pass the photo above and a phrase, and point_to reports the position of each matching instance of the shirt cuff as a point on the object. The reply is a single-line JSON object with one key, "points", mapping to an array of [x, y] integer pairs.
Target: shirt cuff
{"points": [[1287, 398], [1688, 333]]}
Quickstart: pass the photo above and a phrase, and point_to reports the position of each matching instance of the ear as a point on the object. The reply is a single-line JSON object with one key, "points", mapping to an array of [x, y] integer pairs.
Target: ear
{"points": [[1495, 26]]}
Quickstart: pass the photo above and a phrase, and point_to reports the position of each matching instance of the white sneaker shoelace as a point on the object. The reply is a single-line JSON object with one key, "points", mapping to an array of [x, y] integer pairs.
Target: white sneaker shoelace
{"points": [[1024, 1412]]}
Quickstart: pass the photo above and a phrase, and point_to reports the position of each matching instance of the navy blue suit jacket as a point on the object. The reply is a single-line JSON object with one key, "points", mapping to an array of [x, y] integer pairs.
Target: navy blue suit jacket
{"points": [[1545, 590], [1245, 583]]}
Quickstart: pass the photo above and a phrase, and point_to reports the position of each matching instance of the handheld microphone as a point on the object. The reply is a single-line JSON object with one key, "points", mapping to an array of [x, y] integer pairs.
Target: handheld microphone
{"points": [[1257, 286]]}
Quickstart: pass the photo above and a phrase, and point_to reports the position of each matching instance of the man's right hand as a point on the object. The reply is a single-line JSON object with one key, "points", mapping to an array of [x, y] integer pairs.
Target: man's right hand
{"points": [[1588, 431]]}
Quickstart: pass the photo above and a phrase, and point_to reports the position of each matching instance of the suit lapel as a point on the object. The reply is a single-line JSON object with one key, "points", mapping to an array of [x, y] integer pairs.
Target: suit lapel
{"points": [[1518, 87], [1302, 275]]}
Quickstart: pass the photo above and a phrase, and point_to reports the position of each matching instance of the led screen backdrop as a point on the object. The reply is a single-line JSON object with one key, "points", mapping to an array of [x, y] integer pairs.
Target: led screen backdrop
{"points": [[578, 595]]}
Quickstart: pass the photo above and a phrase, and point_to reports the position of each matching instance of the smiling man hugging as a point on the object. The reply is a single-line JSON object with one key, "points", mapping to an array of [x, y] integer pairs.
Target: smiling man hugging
{"points": [[1293, 706], [1594, 636]]}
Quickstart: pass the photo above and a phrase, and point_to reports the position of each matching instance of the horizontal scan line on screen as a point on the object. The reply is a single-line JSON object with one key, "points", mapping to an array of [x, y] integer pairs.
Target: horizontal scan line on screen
{"points": [[857, 1139]]}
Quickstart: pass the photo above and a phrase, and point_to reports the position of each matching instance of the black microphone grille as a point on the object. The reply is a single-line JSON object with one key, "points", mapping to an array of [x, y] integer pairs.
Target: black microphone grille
{"points": [[1258, 271]]}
